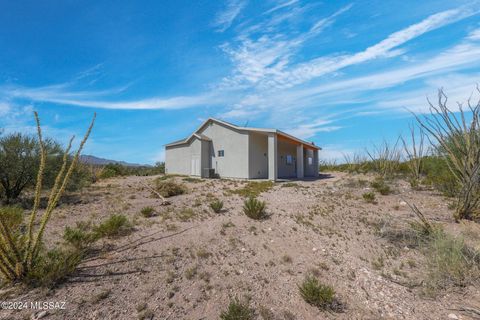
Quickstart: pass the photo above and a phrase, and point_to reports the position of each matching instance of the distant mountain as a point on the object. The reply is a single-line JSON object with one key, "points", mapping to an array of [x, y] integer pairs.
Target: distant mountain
{"points": [[89, 159]]}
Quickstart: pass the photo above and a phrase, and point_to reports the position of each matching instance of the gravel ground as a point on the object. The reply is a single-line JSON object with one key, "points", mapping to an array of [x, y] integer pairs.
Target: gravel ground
{"points": [[188, 264]]}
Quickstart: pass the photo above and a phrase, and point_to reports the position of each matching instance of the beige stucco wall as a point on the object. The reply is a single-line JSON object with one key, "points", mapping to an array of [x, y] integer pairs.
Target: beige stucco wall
{"points": [[309, 169], [234, 164], [178, 159], [284, 170], [258, 156], [245, 154]]}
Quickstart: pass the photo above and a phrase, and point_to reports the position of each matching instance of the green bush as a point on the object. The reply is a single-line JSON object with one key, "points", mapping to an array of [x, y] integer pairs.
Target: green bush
{"points": [[116, 225], [381, 186], [53, 267], [238, 311], [254, 208], [11, 217], [216, 206], [438, 175], [254, 189], [317, 294], [79, 237], [450, 262], [369, 197], [168, 188], [20, 160], [147, 212]]}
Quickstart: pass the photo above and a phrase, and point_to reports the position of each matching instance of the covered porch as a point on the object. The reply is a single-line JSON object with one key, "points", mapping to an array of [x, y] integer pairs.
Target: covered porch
{"points": [[290, 158]]}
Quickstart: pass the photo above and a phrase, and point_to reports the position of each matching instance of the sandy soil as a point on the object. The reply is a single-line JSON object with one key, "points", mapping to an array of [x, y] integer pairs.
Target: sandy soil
{"points": [[184, 265]]}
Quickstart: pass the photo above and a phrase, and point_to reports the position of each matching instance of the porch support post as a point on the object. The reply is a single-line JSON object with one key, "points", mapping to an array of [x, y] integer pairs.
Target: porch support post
{"points": [[300, 161], [272, 157], [316, 164]]}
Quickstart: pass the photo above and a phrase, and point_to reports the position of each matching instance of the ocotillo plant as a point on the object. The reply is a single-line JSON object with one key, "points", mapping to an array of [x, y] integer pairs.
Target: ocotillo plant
{"points": [[457, 139], [20, 250], [415, 151]]}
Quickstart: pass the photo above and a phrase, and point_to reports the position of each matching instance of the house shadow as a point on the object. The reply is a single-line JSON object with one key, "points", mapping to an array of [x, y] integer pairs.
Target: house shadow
{"points": [[321, 176]]}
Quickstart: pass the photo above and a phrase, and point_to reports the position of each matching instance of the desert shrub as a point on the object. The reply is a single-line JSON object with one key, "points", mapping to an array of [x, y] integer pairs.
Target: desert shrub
{"points": [[186, 214], [381, 186], [168, 188], [21, 245], [317, 294], [112, 170], [114, 226], [192, 180], [53, 267], [79, 237], [254, 188], [369, 197], [216, 206], [238, 311], [147, 212], [438, 175], [159, 168], [254, 208], [450, 262], [11, 217], [20, 161], [385, 159]]}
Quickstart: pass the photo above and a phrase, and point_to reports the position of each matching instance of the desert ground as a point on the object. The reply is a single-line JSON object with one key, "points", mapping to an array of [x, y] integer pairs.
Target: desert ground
{"points": [[187, 262]]}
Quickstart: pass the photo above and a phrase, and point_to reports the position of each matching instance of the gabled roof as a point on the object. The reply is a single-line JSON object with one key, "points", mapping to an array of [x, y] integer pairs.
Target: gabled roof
{"points": [[235, 127]]}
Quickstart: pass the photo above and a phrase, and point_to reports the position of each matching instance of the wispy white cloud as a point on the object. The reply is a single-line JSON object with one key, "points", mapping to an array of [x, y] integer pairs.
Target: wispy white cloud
{"points": [[281, 6], [474, 35], [384, 49], [4, 108], [225, 18], [311, 128], [266, 57], [64, 95]]}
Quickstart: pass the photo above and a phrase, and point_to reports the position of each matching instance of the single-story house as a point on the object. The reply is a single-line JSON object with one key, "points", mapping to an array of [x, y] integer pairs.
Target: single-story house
{"points": [[226, 150]]}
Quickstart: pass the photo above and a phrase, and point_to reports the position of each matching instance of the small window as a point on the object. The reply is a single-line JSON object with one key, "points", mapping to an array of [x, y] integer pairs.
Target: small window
{"points": [[310, 161], [289, 159], [221, 153]]}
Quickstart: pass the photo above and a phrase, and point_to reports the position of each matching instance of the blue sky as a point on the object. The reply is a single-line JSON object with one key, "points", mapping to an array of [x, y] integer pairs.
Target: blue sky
{"points": [[339, 73]]}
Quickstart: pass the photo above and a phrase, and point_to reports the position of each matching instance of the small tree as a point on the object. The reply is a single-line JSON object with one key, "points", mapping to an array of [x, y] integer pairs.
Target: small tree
{"points": [[19, 161], [457, 140], [19, 164]]}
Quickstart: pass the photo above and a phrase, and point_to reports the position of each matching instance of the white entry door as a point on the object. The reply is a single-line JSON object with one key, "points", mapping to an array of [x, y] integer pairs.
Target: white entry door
{"points": [[195, 170]]}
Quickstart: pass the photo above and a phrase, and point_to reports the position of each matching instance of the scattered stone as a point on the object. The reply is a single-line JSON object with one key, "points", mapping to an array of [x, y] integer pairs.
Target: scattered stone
{"points": [[39, 315]]}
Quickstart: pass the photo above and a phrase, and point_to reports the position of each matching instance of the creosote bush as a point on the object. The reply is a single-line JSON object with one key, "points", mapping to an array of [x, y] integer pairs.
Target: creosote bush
{"points": [[254, 208], [168, 188], [254, 188], [216, 206], [450, 262], [317, 294], [54, 266], [79, 237], [381, 186], [147, 212], [23, 257], [238, 311], [369, 197], [115, 226]]}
